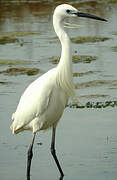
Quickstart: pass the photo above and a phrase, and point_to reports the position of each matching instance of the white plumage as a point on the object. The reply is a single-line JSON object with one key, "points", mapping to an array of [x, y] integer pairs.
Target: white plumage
{"points": [[41, 105], [43, 102]]}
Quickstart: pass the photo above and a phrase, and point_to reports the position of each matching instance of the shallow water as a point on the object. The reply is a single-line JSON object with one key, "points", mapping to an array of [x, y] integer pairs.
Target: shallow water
{"points": [[86, 138]]}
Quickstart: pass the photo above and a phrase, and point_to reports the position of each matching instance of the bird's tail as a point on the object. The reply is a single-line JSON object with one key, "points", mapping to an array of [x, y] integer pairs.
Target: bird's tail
{"points": [[15, 128]]}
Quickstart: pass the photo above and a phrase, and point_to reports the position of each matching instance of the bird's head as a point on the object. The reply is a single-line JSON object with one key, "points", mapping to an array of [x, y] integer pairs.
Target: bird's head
{"points": [[64, 10]]}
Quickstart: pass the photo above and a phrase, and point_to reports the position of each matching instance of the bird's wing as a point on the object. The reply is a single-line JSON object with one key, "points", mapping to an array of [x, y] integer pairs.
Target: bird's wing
{"points": [[34, 102]]}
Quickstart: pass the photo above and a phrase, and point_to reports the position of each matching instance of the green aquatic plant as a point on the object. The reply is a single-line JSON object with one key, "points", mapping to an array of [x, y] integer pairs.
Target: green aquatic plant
{"points": [[76, 74], [95, 96], [84, 59], [19, 71], [54, 60], [114, 48], [12, 37], [8, 39], [4, 83], [94, 83], [11, 62], [18, 33], [109, 1], [75, 59], [89, 39], [94, 105], [114, 33]]}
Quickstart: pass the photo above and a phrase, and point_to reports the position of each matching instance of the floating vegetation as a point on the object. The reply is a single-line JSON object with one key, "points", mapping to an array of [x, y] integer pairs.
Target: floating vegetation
{"points": [[114, 84], [75, 59], [76, 74], [94, 105], [114, 33], [84, 59], [109, 1], [4, 83], [94, 83], [8, 39], [11, 62], [114, 48], [95, 96], [11, 37], [89, 39], [20, 33], [19, 71], [54, 60]]}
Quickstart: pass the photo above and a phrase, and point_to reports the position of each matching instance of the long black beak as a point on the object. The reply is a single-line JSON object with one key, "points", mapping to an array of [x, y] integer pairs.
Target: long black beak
{"points": [[81, 14]]}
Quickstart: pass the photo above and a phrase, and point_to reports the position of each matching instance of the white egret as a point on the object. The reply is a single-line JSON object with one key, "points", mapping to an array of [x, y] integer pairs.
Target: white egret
{"points": [[43, 102]]}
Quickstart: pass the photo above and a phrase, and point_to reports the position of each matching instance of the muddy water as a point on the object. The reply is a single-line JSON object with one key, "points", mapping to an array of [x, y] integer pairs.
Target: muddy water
{"points": [[86, 138]]}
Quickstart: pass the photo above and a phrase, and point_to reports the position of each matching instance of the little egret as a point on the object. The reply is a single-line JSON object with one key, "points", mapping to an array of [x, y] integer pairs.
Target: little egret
{"points": [[43, 102]]}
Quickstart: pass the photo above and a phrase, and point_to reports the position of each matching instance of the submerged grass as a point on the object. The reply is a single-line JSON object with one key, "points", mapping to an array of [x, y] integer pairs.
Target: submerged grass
{"points": [[20, 71], [20, 33], [11, 62], [95, 96], [109, 1], [114, 48], [54, 60], [94, 105], [12, 37], [4, 83], [8, 39], [84, 59], [95, 83], [75, 59], [76, 74], [89, 39]]}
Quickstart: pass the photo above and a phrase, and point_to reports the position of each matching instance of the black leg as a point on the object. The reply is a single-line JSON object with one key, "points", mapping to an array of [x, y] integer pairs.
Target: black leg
{"points": [[53, 151], [29, 157]]}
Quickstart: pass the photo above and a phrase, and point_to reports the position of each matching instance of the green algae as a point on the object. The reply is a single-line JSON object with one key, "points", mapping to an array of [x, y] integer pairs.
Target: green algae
{"points": [[95, 96], [94, 105], [20, 71], [4, 83], [8, 39], [12, 37], [109, 1], [84, 59], [95, 83], [76, 74], [114, 48], [54, 60], [89, 39], [11, 62], [18, 33], [75, 59], [114, 33]]}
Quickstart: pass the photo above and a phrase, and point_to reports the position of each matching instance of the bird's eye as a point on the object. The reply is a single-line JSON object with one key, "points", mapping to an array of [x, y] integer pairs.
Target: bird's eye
{"points": [[68, 11]]}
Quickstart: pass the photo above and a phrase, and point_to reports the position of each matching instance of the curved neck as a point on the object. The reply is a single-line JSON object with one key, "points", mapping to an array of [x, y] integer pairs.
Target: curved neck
{"points": [[64, 68], [66, 54]]}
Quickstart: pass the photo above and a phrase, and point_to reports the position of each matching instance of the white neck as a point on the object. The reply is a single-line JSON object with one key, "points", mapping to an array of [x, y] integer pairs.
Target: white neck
{"points": [[64, 68]]}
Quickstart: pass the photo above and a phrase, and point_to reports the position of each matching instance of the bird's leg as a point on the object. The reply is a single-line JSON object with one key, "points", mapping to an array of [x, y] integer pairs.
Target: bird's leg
{"points": [[29, 156], [53, 152]]}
